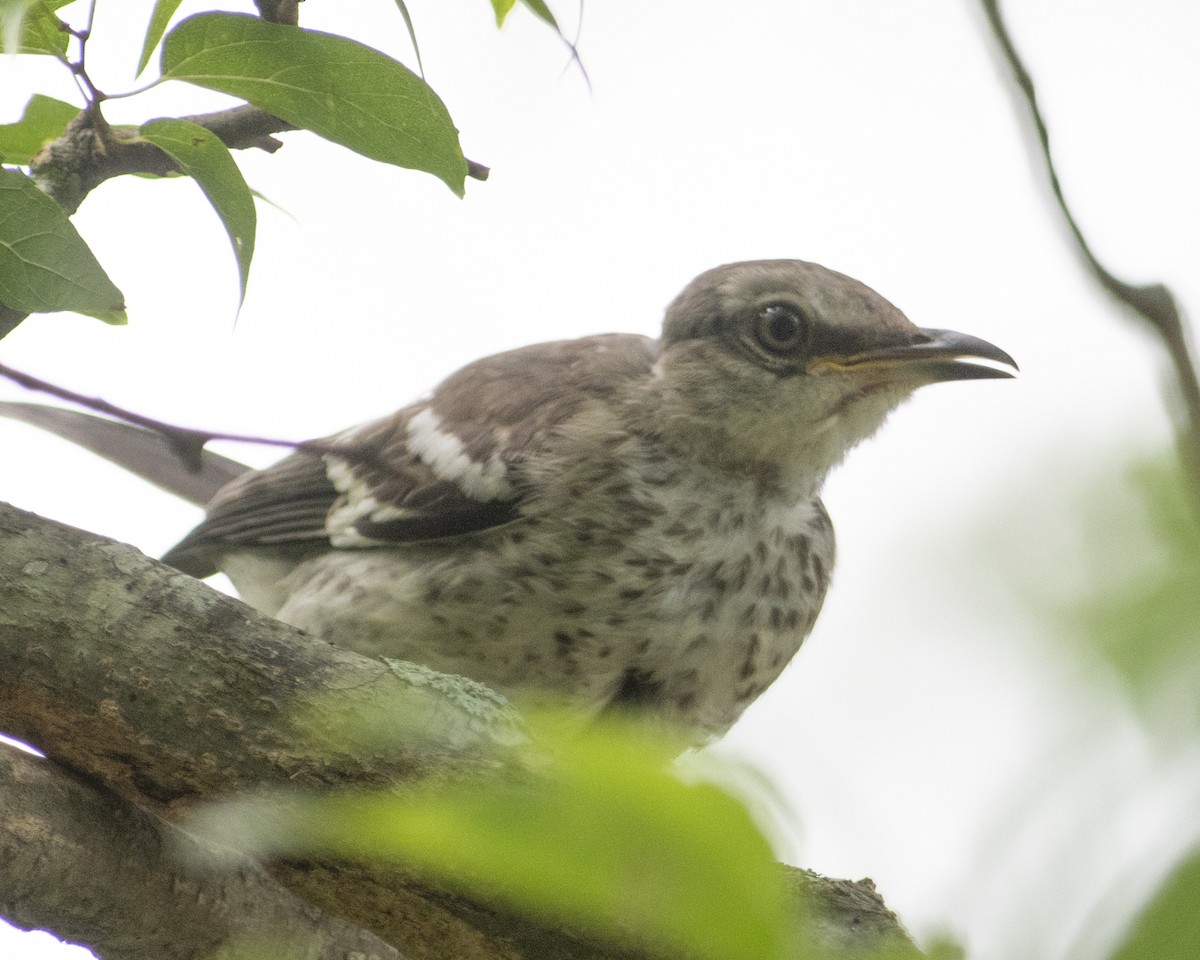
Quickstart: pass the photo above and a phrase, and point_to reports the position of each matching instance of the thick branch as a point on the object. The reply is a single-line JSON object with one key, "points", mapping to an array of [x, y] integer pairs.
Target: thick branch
{"points": [[178, 898], [279, 11], [90, 151], [168, 693]]}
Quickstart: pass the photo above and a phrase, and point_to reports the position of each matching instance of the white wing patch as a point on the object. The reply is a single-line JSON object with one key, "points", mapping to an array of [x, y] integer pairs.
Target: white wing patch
{"points": [[359, 504], [444, 454]]}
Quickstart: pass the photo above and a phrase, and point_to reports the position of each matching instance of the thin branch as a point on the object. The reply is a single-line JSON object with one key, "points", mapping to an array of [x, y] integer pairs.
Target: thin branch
{"points": [[1152, 303], [78, 68], [186, 443]]}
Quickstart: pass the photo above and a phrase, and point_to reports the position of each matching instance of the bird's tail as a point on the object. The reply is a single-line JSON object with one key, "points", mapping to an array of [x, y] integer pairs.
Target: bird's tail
{"points": [[138, 450]]}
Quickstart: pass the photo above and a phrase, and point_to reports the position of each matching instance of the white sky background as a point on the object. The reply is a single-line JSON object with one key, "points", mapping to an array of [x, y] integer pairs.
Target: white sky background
{"points": [[874, 136]]}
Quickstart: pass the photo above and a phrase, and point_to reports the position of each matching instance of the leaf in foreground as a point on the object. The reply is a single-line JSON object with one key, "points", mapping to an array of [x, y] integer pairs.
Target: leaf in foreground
{"points": [[39, 27], [44, 119], [45, 265], [346, 92], [159, 18], [607, 839], [1169, 928], [502, 8], [203, 157]]}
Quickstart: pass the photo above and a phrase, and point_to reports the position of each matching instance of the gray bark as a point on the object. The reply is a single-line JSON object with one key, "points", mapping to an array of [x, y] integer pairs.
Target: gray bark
{"points": [[159, 693], [106, 874]]}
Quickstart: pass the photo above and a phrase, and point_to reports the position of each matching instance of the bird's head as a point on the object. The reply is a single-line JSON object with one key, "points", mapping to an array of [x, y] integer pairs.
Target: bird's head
{"points": [[783, 365]]}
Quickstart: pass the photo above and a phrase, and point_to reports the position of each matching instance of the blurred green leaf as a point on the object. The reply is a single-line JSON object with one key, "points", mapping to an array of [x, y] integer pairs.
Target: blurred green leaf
{"points": [[161, 16], [35, 25], [542, 11], [45, 266], [1141, 610], [12, 16], [203, 157], [342, 90], [502, 9], [44, 119], [1169, 928], [608, 839]]}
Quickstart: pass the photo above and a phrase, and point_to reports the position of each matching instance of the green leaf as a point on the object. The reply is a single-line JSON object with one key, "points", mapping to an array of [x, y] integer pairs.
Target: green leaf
{"points": [[45, 265], [503, 8], [608, 839], [12, 15], [44, 119], [1169, 927], [412, 34], [340, 89], [543, 12], [203, 157], [36, 27], [163, 11], [263, 198]]}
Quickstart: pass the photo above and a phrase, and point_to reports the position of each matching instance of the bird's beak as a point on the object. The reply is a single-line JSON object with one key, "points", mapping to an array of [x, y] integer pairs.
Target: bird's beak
{"points": [[931, 356]]}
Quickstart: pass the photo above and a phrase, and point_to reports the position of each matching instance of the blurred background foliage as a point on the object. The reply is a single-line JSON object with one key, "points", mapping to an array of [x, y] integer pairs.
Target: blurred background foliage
{"points": [[1139, 616], [1140, 611], [1096, 566]]}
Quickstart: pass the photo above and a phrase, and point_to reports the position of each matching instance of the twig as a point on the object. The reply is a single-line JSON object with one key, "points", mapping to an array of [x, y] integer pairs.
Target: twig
{"points": [[1152, 303], [78, 68], [186, 443]]}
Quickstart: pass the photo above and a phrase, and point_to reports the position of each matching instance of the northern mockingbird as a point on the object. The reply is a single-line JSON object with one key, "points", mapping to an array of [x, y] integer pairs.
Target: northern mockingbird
{"points": [[616, 520]]}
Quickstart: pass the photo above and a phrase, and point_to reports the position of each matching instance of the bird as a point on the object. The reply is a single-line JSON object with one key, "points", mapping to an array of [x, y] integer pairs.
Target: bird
{"points": [[617, 521]]}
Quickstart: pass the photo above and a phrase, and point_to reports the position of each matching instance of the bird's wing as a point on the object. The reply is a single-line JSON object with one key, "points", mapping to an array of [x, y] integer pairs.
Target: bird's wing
{"points": [[445, 466]]}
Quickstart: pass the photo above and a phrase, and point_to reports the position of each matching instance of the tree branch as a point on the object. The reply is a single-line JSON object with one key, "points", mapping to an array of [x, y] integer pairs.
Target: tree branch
{"points": [[75, 858], [1152, 303], [170, 693], [153, 686], [90, 151]]}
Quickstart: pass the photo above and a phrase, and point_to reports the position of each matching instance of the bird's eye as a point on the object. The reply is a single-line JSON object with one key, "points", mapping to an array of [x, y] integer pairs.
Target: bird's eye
{"points": [[780, 328]]}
